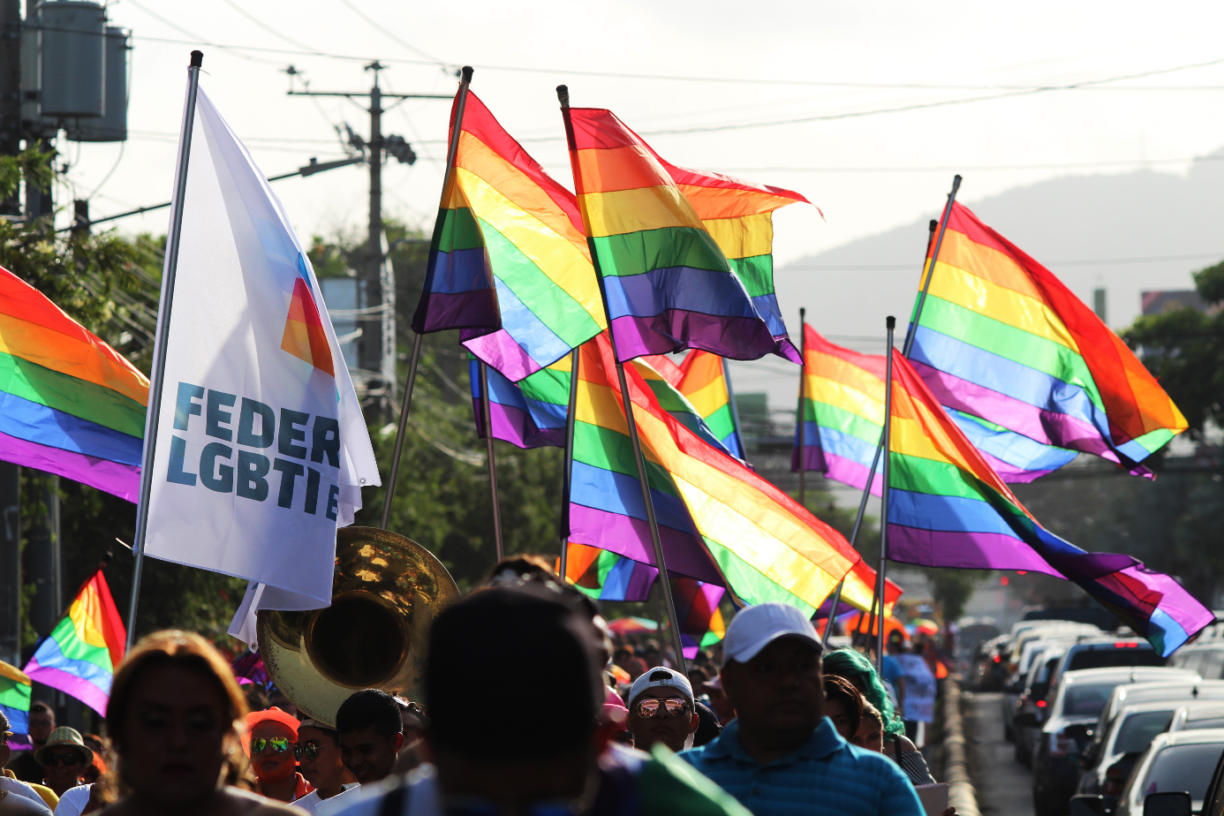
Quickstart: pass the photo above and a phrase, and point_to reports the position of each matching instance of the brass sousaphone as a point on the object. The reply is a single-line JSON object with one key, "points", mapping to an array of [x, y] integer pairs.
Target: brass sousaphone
{"points": [[386, 592]]}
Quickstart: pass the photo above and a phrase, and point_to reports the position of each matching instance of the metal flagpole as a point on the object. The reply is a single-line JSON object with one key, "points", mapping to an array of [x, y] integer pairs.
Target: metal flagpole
{"points": [[891, 323], [627, 403], [875, 461], [739, 429], [486, 410], [568, 474], [926, 285], [159, 344], [464, 81], [799, 415]]}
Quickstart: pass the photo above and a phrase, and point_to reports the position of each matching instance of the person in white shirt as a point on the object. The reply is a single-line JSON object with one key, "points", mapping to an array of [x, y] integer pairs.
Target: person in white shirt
{"points": [[318, 754], [9, 785], [371, 734]]}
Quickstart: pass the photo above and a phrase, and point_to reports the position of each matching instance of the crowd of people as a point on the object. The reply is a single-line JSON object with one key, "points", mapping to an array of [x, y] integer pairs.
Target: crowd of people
{"points": [[533, 710]]}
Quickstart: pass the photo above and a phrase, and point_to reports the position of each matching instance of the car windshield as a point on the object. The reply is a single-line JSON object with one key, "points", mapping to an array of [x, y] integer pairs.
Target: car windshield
{"points": [[1106, 658], [1086, 700], [1139, 729], [1184, 768]]}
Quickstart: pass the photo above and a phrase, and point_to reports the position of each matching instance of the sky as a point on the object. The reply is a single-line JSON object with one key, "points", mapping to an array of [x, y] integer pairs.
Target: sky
{"points": [[720, 65]]}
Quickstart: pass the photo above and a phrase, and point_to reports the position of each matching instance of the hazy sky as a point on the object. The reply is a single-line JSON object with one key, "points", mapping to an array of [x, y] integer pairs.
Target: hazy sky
{"points": [[892, 167]]}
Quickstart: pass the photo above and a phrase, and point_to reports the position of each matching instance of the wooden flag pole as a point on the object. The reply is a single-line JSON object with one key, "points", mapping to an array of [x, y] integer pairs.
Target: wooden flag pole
{"points": [[465, 80], [799, 414], [568, 466], [891, 324], [156, 383], [930, 273], [486, 410], [627, 403]]}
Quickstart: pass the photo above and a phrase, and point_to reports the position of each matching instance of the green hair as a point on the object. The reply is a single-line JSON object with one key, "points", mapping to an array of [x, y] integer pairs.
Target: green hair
{"points": [[858, 670]]}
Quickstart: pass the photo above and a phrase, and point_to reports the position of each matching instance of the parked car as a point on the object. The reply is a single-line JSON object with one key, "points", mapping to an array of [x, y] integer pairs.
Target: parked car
{"points": [[1035, 701], [1099, 653], [1176, 685], [1031, 655], [1197, 716], [1108, 762], [1078, 698], [1206, 659], [1181, 762]]}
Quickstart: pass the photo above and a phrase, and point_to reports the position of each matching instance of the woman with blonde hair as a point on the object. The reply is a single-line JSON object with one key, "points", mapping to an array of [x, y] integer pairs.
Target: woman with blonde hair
{"points": [[175, 718]]}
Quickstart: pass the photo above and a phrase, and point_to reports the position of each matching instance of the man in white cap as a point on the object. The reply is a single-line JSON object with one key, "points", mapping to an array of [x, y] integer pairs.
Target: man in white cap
{"points": [[661, 709], [781, 756]]}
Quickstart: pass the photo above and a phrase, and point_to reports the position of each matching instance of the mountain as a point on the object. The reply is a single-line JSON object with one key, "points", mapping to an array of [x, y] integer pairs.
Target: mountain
{"points": [[1089, 230]]}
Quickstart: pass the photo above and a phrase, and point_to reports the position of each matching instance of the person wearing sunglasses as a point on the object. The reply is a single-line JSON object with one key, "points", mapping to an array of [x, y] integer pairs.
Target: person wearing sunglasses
{"points": [[64, 759], [273, 736], [661, 710], [318, 756]]}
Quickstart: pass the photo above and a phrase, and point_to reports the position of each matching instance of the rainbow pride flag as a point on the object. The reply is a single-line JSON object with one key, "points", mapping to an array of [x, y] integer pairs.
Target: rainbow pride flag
{"points": [[15, 690], [607, 576], [530, 413], [666, 283], [707, 504], [739, 216], [69, 403], [701, 621], [703, 380], [948, 508], [80, 655], [510, 262], [842, 403], [1001, 339]]}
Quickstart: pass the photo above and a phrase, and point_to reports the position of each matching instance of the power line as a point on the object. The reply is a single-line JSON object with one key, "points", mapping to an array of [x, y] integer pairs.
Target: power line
{"points": [[387, 33], [269, 28], [196, 40], [1080, 262], [963, 169]]}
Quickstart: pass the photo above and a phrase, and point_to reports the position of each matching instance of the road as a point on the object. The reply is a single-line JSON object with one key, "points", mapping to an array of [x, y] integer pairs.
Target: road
{"points": [[1004, 786]]}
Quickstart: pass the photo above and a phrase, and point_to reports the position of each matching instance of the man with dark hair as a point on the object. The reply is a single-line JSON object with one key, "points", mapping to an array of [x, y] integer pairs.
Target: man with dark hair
{"points": [[42, 723], [488, 761], [318, 751], [661, 709], [371, 734], [781, 756]]}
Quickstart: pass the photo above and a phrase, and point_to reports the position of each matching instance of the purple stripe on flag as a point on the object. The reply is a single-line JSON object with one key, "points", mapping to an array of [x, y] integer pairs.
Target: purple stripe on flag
{"points": [[471, 310], [111, 477], [1009, 472], [73, 686], [813, 456], [500, 351], [787, 349], [630, 537], [938, 548], [738, 338], [1178, 604], [848, 471], [513, 425]]}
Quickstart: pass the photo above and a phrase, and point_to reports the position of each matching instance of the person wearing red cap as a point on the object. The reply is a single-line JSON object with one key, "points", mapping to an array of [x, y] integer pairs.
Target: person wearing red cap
{"points": [[273, 735]]}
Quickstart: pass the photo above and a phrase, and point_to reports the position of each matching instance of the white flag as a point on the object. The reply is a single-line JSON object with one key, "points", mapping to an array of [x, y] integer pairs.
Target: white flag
{"points": [[262, 450]]}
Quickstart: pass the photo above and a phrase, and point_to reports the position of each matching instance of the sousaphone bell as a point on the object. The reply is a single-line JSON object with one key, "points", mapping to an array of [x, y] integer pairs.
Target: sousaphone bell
{"points": [[386, 592]]}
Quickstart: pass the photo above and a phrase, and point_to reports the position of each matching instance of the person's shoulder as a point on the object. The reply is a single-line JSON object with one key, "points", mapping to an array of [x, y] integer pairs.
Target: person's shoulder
{"points": [[238, 801], [671, 783], [874, 761], [16, 805]]}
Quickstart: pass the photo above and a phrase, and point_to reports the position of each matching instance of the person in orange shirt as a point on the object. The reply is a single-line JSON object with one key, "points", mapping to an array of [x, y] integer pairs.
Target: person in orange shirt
{"points": [[273, 736]]}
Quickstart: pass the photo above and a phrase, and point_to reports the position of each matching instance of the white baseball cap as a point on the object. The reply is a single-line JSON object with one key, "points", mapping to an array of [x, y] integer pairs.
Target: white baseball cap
{"points": [[756, 627], [661, 677]]}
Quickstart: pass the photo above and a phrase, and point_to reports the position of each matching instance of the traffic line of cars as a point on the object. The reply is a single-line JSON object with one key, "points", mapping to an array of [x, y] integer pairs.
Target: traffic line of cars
{"points": [[1107, 726]]}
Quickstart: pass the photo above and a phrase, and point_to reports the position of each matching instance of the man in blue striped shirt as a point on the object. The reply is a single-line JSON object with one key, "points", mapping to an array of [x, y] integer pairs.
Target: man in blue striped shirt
{"points": [[781, 756]]}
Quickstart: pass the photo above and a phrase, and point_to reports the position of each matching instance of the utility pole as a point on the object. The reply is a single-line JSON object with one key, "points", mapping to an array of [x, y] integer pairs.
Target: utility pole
{"points": [[10, 474], [376, 288]]}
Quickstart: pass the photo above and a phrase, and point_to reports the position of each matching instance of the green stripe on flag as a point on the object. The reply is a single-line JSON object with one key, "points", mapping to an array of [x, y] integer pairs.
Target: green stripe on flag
{"points": [[15, 695], [636, 253], [839, 419], [74, 648], [721, 422], [920, 475], [547, 385], [66, 393], [609, 450], [458, 230], [1011, 343], [751, 584], [756, 272]]}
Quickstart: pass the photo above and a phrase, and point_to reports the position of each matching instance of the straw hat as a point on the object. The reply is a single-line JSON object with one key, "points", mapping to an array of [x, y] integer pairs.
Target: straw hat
{"points": [[65, 737]]}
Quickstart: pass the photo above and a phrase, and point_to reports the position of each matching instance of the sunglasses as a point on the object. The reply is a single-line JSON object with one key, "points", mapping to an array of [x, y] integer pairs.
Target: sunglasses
{"points": [[650, 708], [278, 744], [67, 760], [309, 750]]}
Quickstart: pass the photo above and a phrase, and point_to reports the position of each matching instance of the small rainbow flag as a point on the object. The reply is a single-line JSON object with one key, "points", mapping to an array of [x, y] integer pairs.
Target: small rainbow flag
{"points": [[703, 380], [304, 335], [1003, 341], [948, 508], [69, 403], [530, 413], [701, 621], [80, 655], [510, 262], [666, 283], [707, 503], [15, 689], [606, 576]]}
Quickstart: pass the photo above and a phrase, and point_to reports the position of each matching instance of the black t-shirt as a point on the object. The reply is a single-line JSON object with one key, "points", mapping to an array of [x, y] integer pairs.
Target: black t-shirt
{"points": [[25, 768]]}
